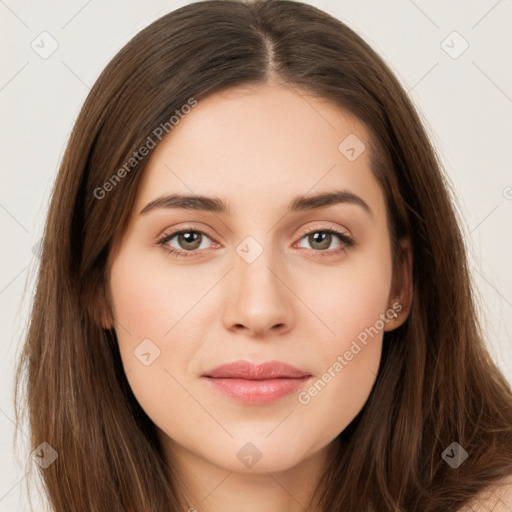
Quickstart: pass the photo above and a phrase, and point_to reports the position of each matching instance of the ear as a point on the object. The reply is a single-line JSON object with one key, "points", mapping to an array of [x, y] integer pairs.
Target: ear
{"points": [[400, 298], [100, 304], [104, 306]]}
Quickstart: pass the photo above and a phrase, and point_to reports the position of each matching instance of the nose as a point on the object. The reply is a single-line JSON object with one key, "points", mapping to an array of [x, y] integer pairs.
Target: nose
{"points": [[259, 300]]}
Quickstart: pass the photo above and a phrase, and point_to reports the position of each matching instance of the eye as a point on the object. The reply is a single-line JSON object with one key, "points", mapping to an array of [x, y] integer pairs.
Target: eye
{"points": [[190, 242], [321, 239]]}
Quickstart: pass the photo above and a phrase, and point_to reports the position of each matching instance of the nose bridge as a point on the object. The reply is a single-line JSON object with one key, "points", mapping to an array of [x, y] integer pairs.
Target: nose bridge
{"points": [[259, 299]]}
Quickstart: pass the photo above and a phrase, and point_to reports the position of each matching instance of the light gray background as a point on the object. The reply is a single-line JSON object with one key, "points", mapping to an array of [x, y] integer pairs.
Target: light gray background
{"points": [[465, 102]]}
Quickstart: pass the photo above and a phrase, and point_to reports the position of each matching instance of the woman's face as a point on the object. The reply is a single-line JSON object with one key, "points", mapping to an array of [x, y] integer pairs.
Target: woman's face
{"points": [[261, 279]]}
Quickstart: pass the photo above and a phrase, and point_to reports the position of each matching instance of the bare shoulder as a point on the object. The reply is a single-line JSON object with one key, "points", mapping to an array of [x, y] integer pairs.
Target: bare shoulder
{"points": [[497, 498]]}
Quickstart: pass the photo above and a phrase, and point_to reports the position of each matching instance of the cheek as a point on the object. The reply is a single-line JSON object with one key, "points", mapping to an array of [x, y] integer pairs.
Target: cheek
{"points": [[150, 307], [149, 296], [349, 298], [169, 306], [350, 350], [335, 397]]}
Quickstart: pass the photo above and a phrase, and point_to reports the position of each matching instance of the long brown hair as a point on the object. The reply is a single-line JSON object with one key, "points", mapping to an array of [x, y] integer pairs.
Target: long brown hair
{"points": [[436, 384]]}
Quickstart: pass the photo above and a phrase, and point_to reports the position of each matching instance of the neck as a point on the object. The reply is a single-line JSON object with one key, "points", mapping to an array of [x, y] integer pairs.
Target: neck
{"points": [[211, 488]]}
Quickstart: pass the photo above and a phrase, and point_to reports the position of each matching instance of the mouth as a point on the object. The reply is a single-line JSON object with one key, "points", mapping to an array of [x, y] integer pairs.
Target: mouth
{"points": [[256, 384]]}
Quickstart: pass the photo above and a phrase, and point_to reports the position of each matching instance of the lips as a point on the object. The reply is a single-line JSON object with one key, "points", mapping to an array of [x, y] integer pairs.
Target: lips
{"points": [[256, 384], [251, 371]]}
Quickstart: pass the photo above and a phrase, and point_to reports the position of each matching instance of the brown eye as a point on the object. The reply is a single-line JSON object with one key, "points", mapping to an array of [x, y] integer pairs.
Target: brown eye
{"points": [[320, 240], [188, 242]]}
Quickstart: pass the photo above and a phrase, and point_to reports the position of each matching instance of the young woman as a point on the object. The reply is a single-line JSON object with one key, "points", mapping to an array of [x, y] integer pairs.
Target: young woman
{"points": [[253, 292]]}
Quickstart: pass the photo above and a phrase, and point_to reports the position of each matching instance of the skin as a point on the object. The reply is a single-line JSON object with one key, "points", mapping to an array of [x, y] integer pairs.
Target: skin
{"points": [[257, 148]]}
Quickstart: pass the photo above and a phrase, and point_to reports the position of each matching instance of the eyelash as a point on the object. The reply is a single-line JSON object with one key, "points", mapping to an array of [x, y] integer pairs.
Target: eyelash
{"points": [[344, 238]]}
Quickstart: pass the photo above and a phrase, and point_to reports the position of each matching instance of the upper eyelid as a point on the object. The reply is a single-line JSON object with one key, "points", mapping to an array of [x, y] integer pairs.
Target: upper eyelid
{"points": [[165, 237], [316, 227], [172, 233], [302, 232]]}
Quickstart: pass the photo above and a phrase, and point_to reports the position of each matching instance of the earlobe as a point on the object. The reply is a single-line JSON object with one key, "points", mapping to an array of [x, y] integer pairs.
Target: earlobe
{"points": [[400, 300], [102, 308], [106, 322], [107, 319]]}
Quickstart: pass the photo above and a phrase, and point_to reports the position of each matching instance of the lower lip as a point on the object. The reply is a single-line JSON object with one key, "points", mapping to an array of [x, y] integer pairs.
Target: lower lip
{"points": [[257, 391]]}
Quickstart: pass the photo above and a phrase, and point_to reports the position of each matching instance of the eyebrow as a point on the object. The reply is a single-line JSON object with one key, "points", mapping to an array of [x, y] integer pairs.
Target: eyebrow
{"points": [[218, 205]]}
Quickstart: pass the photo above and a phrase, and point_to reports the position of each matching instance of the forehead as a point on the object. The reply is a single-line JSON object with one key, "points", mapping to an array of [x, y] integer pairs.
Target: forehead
{"points": [[261, 146]]}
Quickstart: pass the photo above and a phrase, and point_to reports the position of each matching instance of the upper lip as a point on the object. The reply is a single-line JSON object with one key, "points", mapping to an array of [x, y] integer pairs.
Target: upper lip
{"points": [[252, 371]]}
